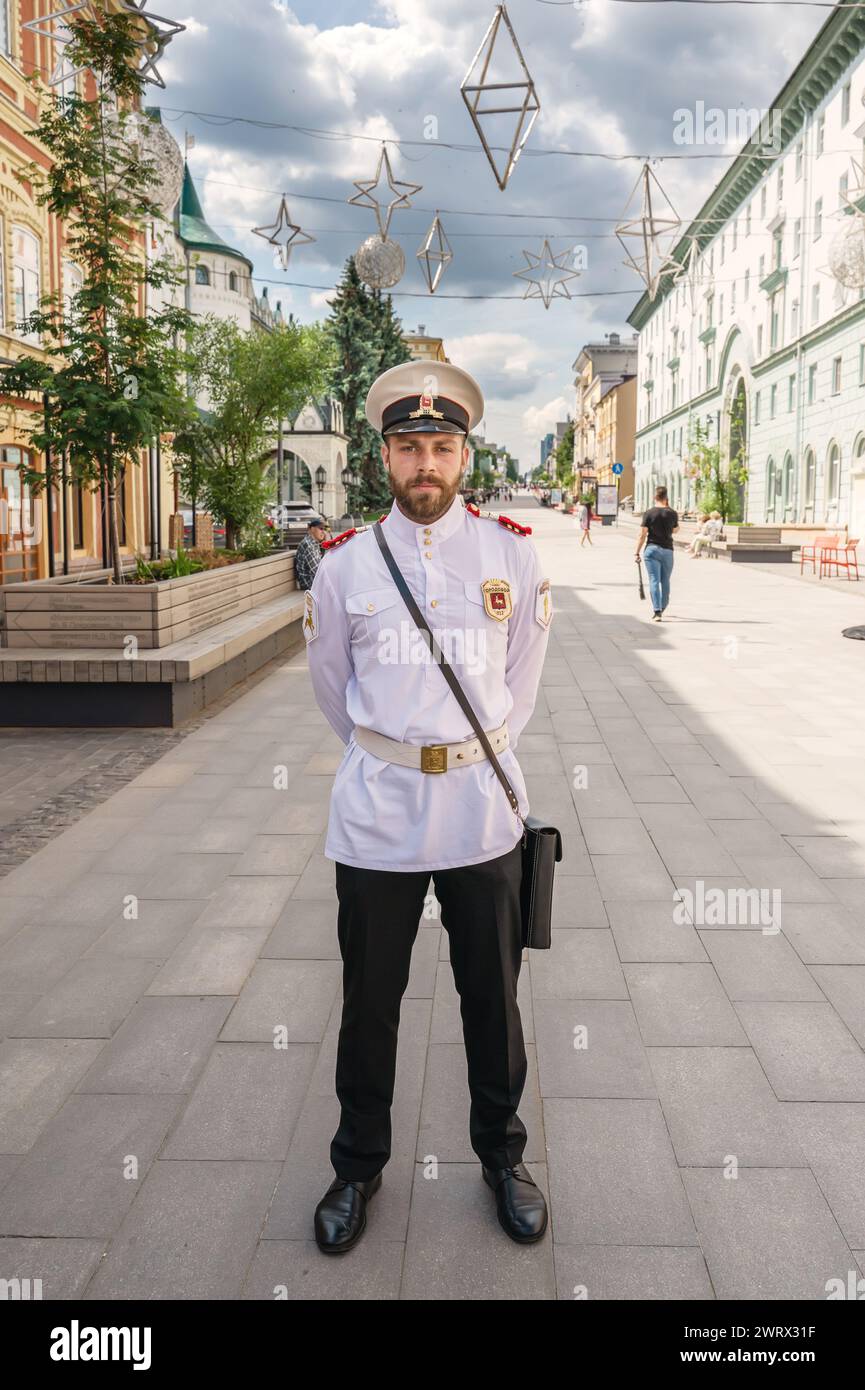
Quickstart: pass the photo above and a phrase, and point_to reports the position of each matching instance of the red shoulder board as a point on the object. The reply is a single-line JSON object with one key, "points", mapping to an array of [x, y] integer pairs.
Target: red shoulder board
{"points": [[383, 516], [515, 526], [470, 507], [338, 540]]}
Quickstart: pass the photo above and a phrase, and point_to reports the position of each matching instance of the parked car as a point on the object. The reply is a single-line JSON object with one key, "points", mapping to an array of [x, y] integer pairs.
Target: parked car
{"points": [[218, 529]]}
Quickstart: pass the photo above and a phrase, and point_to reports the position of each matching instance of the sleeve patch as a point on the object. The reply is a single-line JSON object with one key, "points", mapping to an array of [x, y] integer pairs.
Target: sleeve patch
{"points": [[544, 604], [310, 616]]}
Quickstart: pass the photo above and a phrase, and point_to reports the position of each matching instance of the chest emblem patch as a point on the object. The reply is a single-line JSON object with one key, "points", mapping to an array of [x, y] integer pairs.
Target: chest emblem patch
{"points": [[497, 599]]}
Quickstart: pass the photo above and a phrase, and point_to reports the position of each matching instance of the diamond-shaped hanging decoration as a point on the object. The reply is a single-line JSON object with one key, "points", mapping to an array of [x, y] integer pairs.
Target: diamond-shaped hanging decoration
{"points": [[284, 234], [546, 274], [516, 97], [652, 233], [435, 254], [364, 197]]}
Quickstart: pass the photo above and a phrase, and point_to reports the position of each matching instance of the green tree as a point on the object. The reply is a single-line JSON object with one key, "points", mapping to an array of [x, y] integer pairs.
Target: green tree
{"points": [[250, 381], [717, 482], [110, 376], [367, 339], [564, 455]]}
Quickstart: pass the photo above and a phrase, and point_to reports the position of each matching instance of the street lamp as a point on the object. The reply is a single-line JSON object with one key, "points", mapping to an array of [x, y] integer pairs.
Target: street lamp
{"points": [[320, 480]]}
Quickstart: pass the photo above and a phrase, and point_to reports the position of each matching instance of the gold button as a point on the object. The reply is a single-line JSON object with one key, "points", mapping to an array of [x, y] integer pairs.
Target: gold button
{"points": [[427, 531], [370, 608], [433, 603], [428, 554]]}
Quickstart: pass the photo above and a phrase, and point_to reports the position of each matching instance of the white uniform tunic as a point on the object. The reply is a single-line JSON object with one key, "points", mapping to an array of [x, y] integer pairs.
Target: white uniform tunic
{"points": [[370, 667]]}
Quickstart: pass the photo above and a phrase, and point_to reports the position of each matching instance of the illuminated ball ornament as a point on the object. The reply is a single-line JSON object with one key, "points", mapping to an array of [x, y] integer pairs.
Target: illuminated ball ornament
{"points": [[847, 254], [380, 264], [160, 148]]}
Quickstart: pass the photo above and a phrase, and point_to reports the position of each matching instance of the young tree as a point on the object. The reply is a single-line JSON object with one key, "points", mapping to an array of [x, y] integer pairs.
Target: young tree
{"points": [[250, 381], [564, 455], [110, 374], [367, 339], [717, 484]]}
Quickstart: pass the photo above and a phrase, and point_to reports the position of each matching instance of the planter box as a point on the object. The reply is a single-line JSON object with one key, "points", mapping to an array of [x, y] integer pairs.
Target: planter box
{"points": [[51, 613]]}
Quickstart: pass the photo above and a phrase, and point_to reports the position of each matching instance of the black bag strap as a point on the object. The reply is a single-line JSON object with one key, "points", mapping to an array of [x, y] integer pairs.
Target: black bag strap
{"points": [[446, 669]]}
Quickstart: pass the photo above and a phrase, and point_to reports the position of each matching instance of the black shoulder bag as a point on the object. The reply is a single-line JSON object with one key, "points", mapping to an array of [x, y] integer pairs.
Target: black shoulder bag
{"points": [[542, 843]]}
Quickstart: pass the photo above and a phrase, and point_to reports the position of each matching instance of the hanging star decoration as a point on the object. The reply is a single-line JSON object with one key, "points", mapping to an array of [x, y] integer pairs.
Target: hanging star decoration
{"points": [[160, 33], [854, 196], [551, 282], [364, 197], [435, 255], [654, 230], [283, 234], [61, 35]]}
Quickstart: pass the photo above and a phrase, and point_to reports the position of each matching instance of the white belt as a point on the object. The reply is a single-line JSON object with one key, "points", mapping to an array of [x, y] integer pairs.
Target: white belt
{"points": [[430, 757]]}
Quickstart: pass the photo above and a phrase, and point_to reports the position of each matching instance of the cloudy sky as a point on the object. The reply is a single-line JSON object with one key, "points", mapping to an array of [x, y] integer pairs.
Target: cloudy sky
{"points": [[610, 77]]}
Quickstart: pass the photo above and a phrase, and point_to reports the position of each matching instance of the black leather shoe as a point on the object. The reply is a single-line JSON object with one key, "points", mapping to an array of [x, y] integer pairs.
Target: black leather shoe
{"points": [[340, 1217], [519, 1201]]}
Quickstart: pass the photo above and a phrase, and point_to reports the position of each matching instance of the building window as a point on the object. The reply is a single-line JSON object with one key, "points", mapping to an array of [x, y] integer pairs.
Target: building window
{"points": [[836, 376], [818, 219], [815, 303], [760, 340], [232, 281], [735, 232], [799, 160], [791, 392], [5, 29], [77, 516], [756, 407], [26, 276], [780, 183], [763, 200], [833, 478], [733, 298], [202, 275], [73, 283], [810, 488], [761, 268], [788, 489], [708, 370], [845, 103], [747, 284], [773, 401], [797, 237], [775, 322], [794, 319], [812, 384], [862, 364], [821, 135], [770, 490], [778, 248]]}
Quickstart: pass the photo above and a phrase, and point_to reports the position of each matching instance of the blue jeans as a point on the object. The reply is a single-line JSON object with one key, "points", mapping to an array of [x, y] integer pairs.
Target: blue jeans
{"points": [[659, 567]]}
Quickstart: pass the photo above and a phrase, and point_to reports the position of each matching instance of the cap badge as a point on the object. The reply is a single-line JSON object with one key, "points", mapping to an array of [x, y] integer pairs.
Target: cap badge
{"points": [[497, 599], [425, 407]]}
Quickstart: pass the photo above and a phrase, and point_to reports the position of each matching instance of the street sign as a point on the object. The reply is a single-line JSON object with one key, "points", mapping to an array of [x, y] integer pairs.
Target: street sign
{"points": [[618, 468]]}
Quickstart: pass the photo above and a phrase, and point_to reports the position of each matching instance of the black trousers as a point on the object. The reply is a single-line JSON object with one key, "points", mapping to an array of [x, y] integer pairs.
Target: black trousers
{"points": [[379, 914]]}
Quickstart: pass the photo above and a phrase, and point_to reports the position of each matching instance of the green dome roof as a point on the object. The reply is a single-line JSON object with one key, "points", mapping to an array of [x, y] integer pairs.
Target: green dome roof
{"points": [[192, 228]]}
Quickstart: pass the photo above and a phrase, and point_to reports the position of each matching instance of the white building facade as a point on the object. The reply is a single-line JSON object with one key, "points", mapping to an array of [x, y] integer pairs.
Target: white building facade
{"points": [[757, 325]]}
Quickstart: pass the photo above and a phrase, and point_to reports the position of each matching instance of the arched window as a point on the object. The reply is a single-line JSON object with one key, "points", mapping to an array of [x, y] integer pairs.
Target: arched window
{"points": [[788, 489], [770, 490], [809, 488], [26, 276], [232, 281], [833, 479], [202, 275]]}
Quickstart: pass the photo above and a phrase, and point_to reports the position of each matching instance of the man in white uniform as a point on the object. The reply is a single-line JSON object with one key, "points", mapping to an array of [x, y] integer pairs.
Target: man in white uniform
{"points": [[415, 796]]}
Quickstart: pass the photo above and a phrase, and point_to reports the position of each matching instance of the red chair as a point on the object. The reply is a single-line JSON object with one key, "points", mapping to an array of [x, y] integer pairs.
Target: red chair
{"points": [[832, 557], [810, 552]]}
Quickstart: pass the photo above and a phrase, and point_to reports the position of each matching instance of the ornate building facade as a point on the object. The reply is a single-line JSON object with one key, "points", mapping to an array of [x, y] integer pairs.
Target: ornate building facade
{"points": [[756, 337]]}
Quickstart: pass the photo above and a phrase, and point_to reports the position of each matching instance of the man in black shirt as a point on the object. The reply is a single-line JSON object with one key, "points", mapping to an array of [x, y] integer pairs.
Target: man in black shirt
{"points": [[660, 523]]}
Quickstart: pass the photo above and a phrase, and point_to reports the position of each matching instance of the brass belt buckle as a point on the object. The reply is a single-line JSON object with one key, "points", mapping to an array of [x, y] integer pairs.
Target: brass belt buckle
{"points": [[434, 757]]}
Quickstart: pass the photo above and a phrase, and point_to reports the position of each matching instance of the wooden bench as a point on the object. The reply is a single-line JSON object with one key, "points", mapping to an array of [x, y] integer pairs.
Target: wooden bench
{"points": [[68, 688], [754, 545]]}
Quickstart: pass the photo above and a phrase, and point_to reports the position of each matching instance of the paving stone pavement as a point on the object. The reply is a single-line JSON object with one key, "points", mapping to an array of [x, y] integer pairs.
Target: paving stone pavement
{"points": [[170, 986]]}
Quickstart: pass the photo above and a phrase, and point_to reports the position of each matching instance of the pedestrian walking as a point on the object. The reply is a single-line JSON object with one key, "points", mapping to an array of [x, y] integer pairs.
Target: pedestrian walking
{"points": [[307, 557], [584, 522], [660, 523], [393, 825]]}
